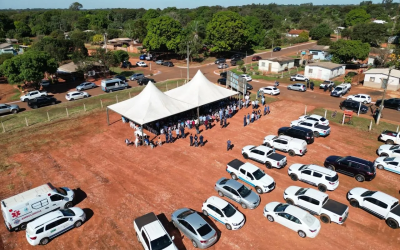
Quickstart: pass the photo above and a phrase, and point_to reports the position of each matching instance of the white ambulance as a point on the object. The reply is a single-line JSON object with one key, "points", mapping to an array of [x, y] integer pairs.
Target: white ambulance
{"points": [[22, 208]]}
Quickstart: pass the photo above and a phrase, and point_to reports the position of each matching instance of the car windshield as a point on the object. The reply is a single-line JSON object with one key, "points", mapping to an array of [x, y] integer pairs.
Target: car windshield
{"points": [[332, 178], [161, 243], [258, 174], [394, 205], [394, 147], [281, 208], [301, 191], [270, 152], [389, 159], [185, 214], [322, 119], [244, 191], [61, 191], [338, 89], [204, 230], [229, 211], [342, 159], [274, 88], [302, 167], [368, 193], [67, 212]]}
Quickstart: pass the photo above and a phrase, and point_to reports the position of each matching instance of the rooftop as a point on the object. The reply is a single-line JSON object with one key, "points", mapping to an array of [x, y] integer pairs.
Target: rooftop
{"points": [[326, 65], [384, 71], [5, 45], [320, 47]]}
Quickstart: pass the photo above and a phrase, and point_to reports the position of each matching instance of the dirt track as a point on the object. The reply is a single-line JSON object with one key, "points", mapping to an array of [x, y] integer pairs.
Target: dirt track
{"points": [[121, 183]]}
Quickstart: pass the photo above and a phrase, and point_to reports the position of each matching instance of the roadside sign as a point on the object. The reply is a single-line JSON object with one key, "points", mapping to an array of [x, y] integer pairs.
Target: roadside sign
{"points": [[236, 82]]}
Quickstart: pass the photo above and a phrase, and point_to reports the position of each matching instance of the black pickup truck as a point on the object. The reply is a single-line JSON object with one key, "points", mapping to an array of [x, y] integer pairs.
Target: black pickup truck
{"points": [[41, 101]]}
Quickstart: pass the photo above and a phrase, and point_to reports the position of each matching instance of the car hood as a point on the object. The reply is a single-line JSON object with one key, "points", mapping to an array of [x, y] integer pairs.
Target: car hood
{"points": [[295, 166], [267, 180], [350, 96], [292, 190], [271, 206], [385, 148], [358, 191], [295, 122], [253, 198], [332, 158], [237, 217], [247, 148]]}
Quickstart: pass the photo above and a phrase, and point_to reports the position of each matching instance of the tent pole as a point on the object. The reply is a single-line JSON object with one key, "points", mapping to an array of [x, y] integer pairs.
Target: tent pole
{"points": [[141, 130], [198, 114], [108, 120]]}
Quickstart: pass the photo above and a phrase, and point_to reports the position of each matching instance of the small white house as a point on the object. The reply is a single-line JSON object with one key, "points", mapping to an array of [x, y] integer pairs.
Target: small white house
{"points": [[276, 65], [324, 70], [375, 78]]}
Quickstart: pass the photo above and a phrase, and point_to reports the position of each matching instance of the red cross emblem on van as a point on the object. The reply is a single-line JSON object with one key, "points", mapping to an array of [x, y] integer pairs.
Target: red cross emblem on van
{"points": [[15, 214]]}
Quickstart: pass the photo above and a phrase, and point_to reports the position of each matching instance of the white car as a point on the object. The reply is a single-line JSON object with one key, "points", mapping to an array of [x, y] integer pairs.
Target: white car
{"points": [[320, 177], [43, 229], [391, 164], [141, 64], [389, 151], [223, 212], [247, 77], [270, 90], [318, 129], [286, 143], [298, 77], [75, 95], [320, 119], [86, 85], [264, 155], [365, 99], [293, 218]]}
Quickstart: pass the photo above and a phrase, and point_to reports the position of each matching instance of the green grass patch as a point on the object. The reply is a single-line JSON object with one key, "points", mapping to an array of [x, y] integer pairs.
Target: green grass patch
{"points": [[15, 96], [131, 54]]}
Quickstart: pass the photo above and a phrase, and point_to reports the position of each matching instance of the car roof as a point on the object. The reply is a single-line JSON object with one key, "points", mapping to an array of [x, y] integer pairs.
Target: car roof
{"points": [[316, 116], [155, 230], [316, 194], [233, 184], [384, 197], [263, 148], [45, 218], [295, 211], [42, 190], [72, 92], [359, 160], [220, 203], [302, 129], [249, 167], [321, 170], [195, 220]]}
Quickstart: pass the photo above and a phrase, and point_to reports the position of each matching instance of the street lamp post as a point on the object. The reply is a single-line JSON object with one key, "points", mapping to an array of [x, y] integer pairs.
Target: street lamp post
{"points": [[383, 97]]}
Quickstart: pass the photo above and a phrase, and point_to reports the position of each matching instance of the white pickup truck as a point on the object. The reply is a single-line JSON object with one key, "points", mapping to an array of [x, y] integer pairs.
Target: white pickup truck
{"points": [[151, 233], [252, 175], [318, 129], [341, 90], [318, 203], [286, 143], [32, 95], [390, 137], [264, 155]]}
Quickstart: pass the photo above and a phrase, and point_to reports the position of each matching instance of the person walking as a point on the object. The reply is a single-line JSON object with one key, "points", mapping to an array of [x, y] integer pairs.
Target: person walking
{"points": [[201, 140], [244, 121], [182, 132], [159, 141], [195, 139], [330, 88], [256, 103], [268, 111], [253, 104], [308, 83], [228, 145], [325, 87], [312, 86], [171, 138], [191, 140], [221, 121], [177, 132]]}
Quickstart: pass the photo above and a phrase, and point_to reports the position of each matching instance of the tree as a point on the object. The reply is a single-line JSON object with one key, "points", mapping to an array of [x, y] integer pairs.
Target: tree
{"points": [[5, 56], [151, 14], [163, 33], [75, 6], [6, 24], [136, 29], [357, 16], [106, 59], [28, 67], [344, 50], [98, 39], [254, 31], [121, 56], [372, 33], [324, 41], [226, 32], [322, 30], [346, 33], [192, 36], [265, 16]]}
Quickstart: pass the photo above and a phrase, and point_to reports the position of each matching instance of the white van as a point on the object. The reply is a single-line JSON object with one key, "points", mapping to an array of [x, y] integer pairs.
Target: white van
{"points": [[22, 208], [286, 144], [110, 85]]}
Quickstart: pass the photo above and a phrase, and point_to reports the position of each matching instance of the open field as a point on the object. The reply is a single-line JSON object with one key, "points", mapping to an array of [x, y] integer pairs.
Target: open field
{"points": [[119, 183]]}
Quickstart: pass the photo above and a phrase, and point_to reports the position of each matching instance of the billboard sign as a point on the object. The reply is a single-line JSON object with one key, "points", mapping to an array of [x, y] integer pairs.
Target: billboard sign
{"points": [[236, 82]]}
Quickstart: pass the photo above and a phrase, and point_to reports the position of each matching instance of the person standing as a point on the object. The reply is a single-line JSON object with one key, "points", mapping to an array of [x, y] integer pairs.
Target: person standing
{"points": [[268, 111], [201, 140], [253, 104], [224, 122], [248, 118], [166, 138], [182, 128], [221, 121], [191, 140], [265, 109], [206, 124], [308, 83], [256, 103], [312, 86], [177, 132], [263, 100], [228, 145], [252, 117], [244, 121], [171, 138]]}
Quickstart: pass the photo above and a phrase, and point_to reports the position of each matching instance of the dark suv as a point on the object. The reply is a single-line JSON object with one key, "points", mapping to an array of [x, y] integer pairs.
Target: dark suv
{"points": [[42, 101], [223, 74], [360, 169], [393, 103], [298, 132], [145, 81], [354, 106], [168, 64]]}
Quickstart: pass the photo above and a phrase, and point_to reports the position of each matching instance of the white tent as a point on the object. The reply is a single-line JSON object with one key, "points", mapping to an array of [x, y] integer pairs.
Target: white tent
{"points": [[150, 105], [200, 91]]}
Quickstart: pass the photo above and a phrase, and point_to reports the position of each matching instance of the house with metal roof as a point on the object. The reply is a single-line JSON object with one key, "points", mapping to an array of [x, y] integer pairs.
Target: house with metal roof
{"points": [[324, 70]]}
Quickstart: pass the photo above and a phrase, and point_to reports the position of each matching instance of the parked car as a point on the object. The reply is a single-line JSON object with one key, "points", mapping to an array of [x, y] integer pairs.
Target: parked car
{"points": [[41, 101], [220, 60], [286, 144], [223, 66], [194, 227], [237, 57], [32, 95], [270, 90], [317, 202], [341, 90], [363, 98], [354, 106], [392, 103], [86, 85], [390, 137], [237, 192], [256, 58], [315, 175], [159, 62], [142, 57], [141, 64], [293, 218], [145, 81], [45, 83], [276, 49], [326, 83], [389, 151], [360, 169], [249, 86], [320, 119], [264, 155], [168, 64], [252, 175], [223, 212], [247, 77], [222, 81], [123, 78], [75, 95], [53, 224], [298, 77], [391, 164], [318, 129], [236, 62], [136, 76], [223, 74], [7, 108], [298, 132], [379, 204], [297, 86], [126, 64]]}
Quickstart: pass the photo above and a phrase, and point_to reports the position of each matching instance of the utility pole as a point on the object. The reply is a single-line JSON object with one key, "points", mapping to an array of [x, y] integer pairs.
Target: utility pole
{"points": [[187, 62], [105, 40], [272, 48], [383, 97]]}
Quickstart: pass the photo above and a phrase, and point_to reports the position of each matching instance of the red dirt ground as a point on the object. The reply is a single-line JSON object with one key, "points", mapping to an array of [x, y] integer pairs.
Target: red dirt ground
{"points": [[122, 183]]}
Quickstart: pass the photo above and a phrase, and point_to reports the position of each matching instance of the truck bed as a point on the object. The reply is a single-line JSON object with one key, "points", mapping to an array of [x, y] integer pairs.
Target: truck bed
{"points": [[335, 207], [276, 157], [235, 164], [145, 219]]}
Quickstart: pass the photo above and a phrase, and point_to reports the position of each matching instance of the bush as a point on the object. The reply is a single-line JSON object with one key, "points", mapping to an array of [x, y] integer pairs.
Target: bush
{"points": [[257, 72], [324, 41]]}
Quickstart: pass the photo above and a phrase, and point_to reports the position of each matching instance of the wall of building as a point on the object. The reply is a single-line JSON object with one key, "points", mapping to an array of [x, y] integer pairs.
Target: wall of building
{"points": [[375, 81], [263, 65], [316, 72], [319, 55]]}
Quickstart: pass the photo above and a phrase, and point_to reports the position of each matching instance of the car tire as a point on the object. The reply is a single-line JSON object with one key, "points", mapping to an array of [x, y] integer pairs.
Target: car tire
{"points": [[322, 188], [68, 205], [44, 241], [228, 226], [342, 108], [244, 206], [383, 155], [111, 91], [331, 167], [26, 100], [220, 194], [270, 218], [380, 167], [289, 201], [294, 177], [289, 88], [268, 165], [53, 103], [78, 224], [245, 156], [35, 107], [259, 190], [194, 244], [291, 153], [325, 218], [316, 134], [234, 176], [301, 234], [392, 223], [354, 203], [22, 227], [359, 178], [205, 212], [389, 142], [14, 111], [85, 96], [365, 102]]}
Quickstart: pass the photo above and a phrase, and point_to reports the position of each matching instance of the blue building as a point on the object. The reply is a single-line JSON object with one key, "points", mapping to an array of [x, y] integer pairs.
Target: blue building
{"points": [[320, 52]]}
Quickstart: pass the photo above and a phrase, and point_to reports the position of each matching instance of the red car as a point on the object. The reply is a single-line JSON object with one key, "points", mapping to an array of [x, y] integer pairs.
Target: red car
{"points": [[256, 58]]}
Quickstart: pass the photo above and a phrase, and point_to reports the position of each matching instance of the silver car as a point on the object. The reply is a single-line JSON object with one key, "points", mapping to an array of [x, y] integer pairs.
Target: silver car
{"points": [[223, 66], [86, 85], [297, 86], [6, 108], [136, 76], [159, 62], [194, 227], [238, 192]]}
